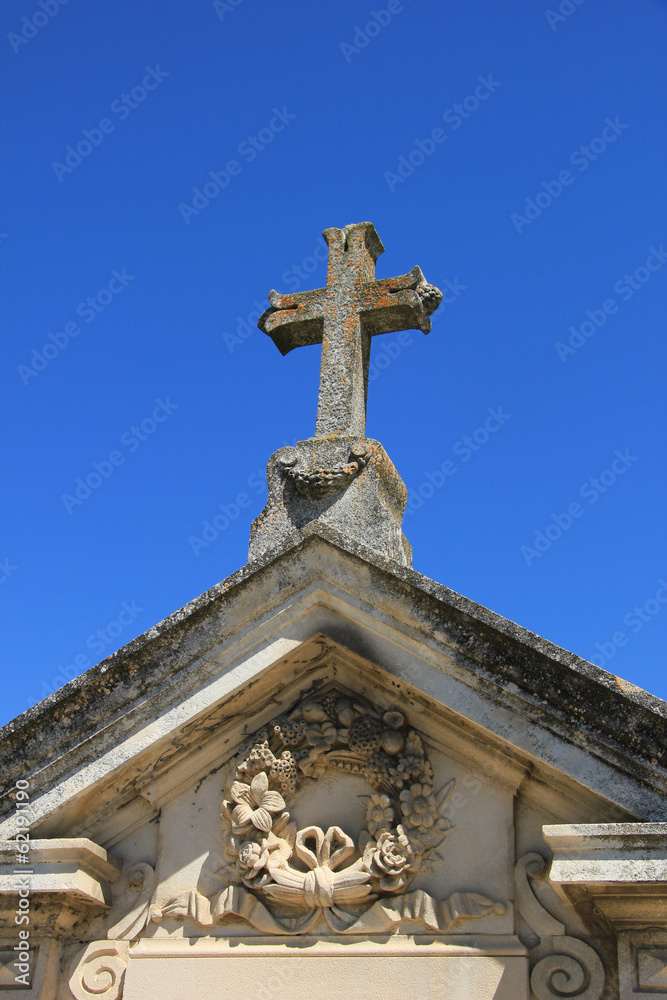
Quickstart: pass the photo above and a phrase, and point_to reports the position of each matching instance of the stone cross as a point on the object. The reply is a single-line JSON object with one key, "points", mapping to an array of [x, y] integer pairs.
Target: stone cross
{"points": [[343, 317]]}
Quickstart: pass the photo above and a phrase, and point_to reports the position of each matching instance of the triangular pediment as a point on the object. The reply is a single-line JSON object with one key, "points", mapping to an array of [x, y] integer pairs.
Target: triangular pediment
{"points": [[336, 749], [118, 801], [312, 614]]}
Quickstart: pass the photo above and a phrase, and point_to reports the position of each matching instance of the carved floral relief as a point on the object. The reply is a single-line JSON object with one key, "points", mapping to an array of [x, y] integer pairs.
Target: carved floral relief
{"points": [[283, 879]]}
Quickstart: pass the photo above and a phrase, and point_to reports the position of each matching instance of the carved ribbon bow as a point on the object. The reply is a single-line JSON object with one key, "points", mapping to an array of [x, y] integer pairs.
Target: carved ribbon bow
{"points": [[321, 886]]}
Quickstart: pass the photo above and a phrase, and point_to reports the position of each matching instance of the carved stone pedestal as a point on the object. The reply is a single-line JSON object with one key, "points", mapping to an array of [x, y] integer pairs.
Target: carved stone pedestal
{"points": [[341, 482]]}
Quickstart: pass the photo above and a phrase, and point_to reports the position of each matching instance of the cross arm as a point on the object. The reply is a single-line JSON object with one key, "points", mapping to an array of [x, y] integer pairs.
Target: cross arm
{"points": [[402, 303], [295, 319]]}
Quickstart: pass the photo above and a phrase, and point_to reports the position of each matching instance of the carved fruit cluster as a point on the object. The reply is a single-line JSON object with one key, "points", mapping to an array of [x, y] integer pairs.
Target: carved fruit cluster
{"points": [[404, 825]]}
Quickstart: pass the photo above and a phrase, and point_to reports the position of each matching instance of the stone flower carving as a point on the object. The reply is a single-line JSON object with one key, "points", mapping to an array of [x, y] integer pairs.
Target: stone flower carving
{"points": [[309, 867], [392, 858], [250, 862], [418, 805], [379, 813], [255, 803], [283, 880]]}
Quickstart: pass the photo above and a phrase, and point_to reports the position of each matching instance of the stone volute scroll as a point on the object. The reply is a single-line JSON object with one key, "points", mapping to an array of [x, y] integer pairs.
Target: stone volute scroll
{"points": [[561, 965], [339, 477], [99, 970], [282, 879]]}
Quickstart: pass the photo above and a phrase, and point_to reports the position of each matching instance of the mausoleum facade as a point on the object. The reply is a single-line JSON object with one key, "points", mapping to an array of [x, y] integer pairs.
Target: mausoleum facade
{"points": [[330, 776]]}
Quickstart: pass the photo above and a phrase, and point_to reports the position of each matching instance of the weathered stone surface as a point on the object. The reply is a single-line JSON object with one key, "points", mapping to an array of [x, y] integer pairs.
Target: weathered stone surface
{"points": [[343, 317], [457, 974], [347, 483], [331, 757], [642, 964], [338, 476], [73, 868], [622, 867], [556, 707]]}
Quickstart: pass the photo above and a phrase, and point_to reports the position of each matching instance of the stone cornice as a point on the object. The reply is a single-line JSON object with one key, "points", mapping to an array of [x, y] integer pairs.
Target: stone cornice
{"points": [[622, 867]]}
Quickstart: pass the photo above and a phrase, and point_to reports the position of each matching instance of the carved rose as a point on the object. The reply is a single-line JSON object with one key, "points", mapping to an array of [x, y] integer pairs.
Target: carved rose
{"points": [[255, 803], [419, 806], [251, 861], [392, 858], [379, 813], [393, 853]]}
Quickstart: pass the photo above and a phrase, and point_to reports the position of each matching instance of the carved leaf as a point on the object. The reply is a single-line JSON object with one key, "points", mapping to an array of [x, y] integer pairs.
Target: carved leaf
{"points": [[273, 801], [261, 818], [259, 785], [243, 814], [444, 795]]}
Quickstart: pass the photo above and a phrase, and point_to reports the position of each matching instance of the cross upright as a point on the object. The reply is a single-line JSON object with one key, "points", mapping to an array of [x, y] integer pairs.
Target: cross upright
{"points": [[343, 316]]}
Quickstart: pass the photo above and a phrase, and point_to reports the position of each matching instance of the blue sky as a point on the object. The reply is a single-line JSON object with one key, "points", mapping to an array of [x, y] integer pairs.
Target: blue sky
{"points": [[167, 164]]}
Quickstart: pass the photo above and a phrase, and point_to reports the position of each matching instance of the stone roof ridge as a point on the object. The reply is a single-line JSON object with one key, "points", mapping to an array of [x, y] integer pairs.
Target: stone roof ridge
{"points": [[506, 654]]}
